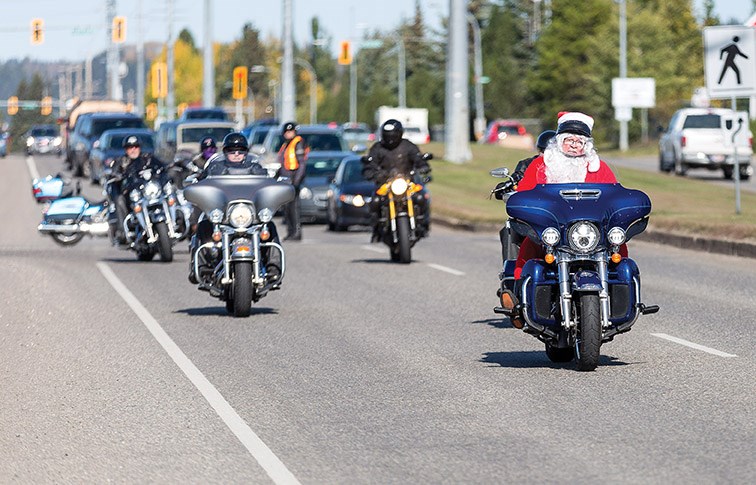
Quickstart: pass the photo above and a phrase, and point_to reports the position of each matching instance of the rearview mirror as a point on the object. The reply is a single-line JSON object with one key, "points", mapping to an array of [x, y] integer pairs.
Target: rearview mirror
{"points": [[501, 173]]}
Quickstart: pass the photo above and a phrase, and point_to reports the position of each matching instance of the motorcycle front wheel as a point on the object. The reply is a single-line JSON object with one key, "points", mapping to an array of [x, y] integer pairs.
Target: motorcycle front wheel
{"points": [[403, 246], [66, 239], [164, 242], [588, 344], [242, 289]]}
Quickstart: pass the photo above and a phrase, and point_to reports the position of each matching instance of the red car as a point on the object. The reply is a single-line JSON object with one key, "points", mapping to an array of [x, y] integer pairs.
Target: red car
{"points": [[510, 134]]}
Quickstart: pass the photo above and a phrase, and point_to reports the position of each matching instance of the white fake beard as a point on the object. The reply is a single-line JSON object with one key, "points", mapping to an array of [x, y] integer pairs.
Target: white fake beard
{"points": [[561, 169]]}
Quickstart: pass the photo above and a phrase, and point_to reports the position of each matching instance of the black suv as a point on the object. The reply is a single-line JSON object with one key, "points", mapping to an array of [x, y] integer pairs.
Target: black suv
{"points": [[88, 129]]}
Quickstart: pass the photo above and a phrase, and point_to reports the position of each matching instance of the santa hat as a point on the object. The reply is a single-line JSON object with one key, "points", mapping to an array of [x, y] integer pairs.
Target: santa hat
{"points": [[574, 122]]}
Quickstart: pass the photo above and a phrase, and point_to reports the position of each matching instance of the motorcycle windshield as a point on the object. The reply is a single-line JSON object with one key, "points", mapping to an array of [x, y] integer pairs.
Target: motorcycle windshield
{"points": [[216, 192], [559, 205]]}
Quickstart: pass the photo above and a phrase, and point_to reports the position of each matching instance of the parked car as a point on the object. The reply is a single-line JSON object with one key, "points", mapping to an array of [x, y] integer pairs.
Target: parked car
{"points": [[4, 142], [319, 173], [318, 137], [109, 147], [86, 106], [257, 131], [181, 138], [358, 136], [43, 139], [510, 134], [349, 196], [696, 138], [203, 114], [89, 127]]}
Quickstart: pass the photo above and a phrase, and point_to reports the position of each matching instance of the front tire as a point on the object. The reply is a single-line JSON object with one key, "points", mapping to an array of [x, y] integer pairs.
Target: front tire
{"points": [[588, 344], [164, 242], [404, 246], [242, 289], [66, 239], [680, 168]]}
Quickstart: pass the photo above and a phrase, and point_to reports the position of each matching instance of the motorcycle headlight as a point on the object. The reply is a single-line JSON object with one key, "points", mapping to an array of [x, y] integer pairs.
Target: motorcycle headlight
{"points": [[134, 195], [616, 236], [265, 215], [168, 188], [583, 237], [399, 186], [151, 190], [550, 236], [240, 215], [305, 193], [216, 216]]}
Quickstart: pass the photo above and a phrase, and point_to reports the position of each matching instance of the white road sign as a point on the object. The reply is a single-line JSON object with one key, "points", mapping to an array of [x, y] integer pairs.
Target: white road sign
{"points": [[633, 92], [730, 61]]}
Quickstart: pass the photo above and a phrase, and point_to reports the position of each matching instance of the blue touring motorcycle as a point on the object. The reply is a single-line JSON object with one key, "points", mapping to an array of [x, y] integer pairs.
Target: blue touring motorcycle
{"points": [[583, 292]]}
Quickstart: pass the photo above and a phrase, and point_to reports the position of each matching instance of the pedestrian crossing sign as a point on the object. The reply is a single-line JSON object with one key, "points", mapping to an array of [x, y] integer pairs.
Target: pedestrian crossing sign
{"points": [[730, 61]]}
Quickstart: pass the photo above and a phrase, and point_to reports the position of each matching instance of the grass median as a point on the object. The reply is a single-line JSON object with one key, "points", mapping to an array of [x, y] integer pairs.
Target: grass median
{"points": [[680, 204]]}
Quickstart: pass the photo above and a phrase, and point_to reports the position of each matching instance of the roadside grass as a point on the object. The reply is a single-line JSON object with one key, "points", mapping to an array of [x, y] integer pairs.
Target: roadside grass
{"points": [[680, 204]]}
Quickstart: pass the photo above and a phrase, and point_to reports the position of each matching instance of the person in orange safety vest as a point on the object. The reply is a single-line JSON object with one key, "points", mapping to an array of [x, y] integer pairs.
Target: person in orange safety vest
{"points": [[293, 159]]}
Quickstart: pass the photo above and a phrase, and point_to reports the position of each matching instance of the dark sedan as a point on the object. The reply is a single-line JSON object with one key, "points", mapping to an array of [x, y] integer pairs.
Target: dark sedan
{"points": [[349, 196], [320, 171], [110, 147]]}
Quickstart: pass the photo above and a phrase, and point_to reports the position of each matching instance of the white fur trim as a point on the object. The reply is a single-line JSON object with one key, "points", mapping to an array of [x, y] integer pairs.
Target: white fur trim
{"points": [[594, 163], [576, 116]]}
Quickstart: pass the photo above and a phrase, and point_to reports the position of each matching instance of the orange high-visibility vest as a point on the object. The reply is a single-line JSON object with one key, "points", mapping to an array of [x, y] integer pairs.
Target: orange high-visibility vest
{"points": [[289, 156]]}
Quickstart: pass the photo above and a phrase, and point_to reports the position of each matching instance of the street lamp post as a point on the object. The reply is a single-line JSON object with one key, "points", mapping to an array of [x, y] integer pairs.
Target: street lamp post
{"points": [[480, 118], [313, 89]]}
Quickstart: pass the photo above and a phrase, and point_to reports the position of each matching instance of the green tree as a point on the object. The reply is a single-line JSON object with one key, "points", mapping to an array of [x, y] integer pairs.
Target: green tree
{"points": [[248, 51], [33, 91]]}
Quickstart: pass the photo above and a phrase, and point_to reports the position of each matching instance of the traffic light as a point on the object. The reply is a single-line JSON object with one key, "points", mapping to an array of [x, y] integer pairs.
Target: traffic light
{"points": [[37, 31], [159, 80], [46, 106], [240, 82], [12, 105], [151, 111], [345, 53], [119, 30]]}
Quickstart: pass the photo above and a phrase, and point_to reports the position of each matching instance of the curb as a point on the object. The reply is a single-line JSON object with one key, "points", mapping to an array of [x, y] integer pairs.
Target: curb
{"points": [[741, 249]]}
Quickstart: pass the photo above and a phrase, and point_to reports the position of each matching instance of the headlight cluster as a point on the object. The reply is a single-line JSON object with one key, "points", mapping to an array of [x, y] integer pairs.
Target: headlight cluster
{"points": [[616, 236], [216, 216], [151, 190], [399, 186], [168, 188], [241, 215], [583, 237], [550, 236], [265, 215], [355, 200], [135, 195]]}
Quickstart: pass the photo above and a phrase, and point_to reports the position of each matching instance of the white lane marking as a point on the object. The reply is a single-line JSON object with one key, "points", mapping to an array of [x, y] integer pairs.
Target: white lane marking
{"points": [[32, 167], [446, 270], [692, 345], [274, 467], [373, 248]]}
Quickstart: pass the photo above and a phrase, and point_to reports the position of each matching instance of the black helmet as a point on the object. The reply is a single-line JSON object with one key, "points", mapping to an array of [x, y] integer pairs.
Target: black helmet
{"points": [[288, 126], [543, 139], [207, 142], [235, 141], [391, 134], [131, 141]]}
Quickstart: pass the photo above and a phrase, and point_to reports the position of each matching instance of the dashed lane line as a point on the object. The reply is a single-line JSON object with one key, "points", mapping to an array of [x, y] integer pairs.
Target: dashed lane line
{"points": [[693, 345]]}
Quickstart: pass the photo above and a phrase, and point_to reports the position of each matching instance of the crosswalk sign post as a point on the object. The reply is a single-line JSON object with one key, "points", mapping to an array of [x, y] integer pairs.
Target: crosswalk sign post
{"points": [[730, 61]]}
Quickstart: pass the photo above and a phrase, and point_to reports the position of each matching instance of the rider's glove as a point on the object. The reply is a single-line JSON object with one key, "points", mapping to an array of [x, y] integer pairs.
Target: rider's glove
{"points": [[502, 188]]}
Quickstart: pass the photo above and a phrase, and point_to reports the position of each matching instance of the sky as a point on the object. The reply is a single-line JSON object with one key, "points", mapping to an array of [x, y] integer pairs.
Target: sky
{"points": [[75, 29]]}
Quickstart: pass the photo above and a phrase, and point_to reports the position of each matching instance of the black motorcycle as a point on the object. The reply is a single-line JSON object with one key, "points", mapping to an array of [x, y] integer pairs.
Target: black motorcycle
{"points": [[243, 260]]}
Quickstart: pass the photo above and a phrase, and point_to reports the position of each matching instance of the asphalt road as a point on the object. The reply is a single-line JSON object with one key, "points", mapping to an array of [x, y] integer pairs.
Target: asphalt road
{"points": [[357, 370]]}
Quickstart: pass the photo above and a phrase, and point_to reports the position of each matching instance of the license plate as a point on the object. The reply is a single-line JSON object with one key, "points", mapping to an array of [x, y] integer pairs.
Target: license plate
{"points": [[717, 158]]}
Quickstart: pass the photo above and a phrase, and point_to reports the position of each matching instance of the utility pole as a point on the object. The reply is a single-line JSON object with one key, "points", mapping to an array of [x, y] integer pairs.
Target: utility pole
{"points": [[140, 62], [623, 142], [288, 90], [480, 117], [113, 60], [208, 69], [402, 75], [170, 99], [456, 135]]}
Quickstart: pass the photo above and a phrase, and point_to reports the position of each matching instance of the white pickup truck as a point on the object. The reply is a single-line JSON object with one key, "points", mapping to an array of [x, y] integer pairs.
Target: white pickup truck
{"points": [[698, 138]]}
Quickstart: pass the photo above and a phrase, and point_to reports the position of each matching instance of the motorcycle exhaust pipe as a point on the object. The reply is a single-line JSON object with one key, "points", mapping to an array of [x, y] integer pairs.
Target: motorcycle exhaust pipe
{"points": [[93, 229]]}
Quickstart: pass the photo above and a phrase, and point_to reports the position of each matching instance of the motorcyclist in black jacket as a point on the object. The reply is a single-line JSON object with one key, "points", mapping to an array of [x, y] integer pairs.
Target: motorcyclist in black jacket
{"points": [[392, 154], [235, 160], [124, 170]]}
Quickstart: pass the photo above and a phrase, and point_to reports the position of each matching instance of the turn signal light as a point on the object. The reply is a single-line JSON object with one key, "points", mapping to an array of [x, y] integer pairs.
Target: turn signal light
{"points": [[217, 236], [264, 234], [171, 201], [549, 258], [616, 258], [137, 209]]}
